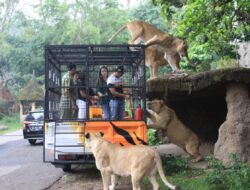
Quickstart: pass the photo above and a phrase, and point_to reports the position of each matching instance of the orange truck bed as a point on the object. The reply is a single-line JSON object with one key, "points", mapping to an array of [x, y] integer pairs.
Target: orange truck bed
{"points": [[120, 132], [68, 138]]}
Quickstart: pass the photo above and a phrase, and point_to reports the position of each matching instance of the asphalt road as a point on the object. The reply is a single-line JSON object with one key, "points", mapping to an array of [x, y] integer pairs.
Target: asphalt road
{"points": [[22, 167]]}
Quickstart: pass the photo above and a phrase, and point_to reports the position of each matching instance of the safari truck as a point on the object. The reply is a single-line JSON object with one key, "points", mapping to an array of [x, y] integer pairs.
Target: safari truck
{"points": [[64, 137]]}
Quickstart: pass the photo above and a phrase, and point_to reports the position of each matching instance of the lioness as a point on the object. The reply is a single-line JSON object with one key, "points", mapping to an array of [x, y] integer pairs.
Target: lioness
{"points": [[155, 59], [147, 33], [175, 130], [170, 46], [137, 161], [139, 31]]}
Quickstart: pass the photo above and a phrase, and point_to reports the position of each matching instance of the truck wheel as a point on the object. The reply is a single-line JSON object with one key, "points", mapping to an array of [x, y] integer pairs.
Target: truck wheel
{"points": [[32, 141], [67, 168]]}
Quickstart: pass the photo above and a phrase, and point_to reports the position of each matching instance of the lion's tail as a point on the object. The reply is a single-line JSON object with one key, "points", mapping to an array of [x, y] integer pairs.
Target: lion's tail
{"points": [[118, 32], [161, 172]]}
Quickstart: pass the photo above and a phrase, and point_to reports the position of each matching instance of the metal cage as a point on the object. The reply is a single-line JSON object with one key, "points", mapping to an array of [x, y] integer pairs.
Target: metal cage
{"points": [[88, 59]]}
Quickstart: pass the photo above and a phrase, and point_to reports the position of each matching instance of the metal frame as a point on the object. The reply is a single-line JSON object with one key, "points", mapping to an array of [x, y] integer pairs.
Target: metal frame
{"points": [[57, 56], [89, 57]]}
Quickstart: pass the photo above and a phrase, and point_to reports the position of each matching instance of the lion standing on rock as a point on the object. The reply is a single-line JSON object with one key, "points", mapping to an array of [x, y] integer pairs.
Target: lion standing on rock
{"points": [[167, 120], [160, 45]]}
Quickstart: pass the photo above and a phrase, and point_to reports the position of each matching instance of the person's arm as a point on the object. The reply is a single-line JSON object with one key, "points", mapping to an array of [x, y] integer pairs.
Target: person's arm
{"points": [[98, 91], [69, 94], [84, 95], [117, 94]]}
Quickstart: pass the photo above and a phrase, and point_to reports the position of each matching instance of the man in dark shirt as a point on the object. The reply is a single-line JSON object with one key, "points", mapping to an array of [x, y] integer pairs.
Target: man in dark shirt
{"points": [[83, 97]]}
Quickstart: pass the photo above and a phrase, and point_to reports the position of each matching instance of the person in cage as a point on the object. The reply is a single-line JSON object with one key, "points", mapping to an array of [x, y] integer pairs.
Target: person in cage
{"points": [[117, 97], [68, 107], [102, 91], [83, 96]]}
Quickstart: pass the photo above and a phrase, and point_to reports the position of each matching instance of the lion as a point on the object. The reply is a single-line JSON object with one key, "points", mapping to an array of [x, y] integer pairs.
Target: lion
{"points": [[167, 120], [155, 59], [170, 46], [137, 161], [141, 31]]}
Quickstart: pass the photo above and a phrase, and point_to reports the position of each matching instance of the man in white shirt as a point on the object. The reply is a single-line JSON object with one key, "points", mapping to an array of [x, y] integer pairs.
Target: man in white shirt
{"points": [[117, 97]]}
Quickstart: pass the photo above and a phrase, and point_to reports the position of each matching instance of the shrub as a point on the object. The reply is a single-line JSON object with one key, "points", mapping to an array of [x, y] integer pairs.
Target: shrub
{"points": [[152, 137], [173, 164], [236, 176]]}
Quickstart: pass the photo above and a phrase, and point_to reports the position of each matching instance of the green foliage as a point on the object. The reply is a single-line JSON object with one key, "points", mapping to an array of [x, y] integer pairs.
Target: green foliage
{"points": [[148, 13], [12, 123], [177, 171], [210, 26], [22, 38], [152, 137], [236, 176], [173, 164]]}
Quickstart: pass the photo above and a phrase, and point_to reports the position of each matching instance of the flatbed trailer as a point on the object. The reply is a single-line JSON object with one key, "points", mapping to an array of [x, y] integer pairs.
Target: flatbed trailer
{"points": [[64, 142]]}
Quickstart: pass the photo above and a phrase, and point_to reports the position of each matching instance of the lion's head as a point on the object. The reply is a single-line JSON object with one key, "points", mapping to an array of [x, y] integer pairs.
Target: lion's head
{"points": [[92, 139], [182, 48], [155, 105]]}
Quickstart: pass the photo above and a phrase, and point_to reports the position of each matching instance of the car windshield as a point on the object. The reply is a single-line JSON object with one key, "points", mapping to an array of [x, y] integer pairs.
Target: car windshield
{"points": [[34, 116]]}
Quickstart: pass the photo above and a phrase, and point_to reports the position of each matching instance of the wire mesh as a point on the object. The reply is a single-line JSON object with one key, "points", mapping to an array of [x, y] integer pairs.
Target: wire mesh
{"points": [[66, 102]]}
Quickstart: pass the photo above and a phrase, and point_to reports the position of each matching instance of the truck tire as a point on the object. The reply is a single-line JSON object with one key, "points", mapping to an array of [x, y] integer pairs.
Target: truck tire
{"points": [[67, 168], [32, 141]]}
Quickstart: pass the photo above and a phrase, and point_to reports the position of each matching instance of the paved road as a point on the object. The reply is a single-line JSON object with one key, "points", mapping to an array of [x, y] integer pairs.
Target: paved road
{"points": [[22, 167]]}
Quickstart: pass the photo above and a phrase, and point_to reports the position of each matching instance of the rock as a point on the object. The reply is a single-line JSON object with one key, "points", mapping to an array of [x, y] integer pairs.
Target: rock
{"points": [[234, 133]]}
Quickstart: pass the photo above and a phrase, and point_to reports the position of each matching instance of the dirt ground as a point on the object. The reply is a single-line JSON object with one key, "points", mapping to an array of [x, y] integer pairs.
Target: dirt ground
{"points": [[87, 177]]}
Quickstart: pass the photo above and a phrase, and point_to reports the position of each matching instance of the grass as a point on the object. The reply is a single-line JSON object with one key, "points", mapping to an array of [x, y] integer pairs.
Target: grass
{"points": [[12, 123], [191, 179], [217, 177]]}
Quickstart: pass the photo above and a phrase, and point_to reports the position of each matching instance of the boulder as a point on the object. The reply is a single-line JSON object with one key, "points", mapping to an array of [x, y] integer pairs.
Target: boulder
{"points": [[234, 133], [214, 104]]}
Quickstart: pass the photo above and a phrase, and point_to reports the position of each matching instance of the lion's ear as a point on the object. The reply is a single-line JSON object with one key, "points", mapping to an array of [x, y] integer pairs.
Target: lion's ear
{"points": [[184, 43], [87, 136], [101, 134]]}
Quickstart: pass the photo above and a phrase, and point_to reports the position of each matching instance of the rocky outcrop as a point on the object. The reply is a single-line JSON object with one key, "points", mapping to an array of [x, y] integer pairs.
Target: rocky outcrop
{"points": [[234, 133], [214, 104]]}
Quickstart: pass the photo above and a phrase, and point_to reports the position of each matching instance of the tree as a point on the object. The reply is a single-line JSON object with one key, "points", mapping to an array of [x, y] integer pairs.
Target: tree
{"points": [[7, 10], [22, 38], [149, 13], [210, 26]]}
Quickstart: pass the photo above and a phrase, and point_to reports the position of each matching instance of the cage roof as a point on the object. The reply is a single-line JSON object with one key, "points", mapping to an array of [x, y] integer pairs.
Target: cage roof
{"points": [[94, 54]]}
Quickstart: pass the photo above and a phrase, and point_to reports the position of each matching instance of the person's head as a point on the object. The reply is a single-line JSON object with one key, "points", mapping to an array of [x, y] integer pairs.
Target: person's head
{"points": [[76, 76], [81, 76], [119, 71], [103, 72], [72, 68]]}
